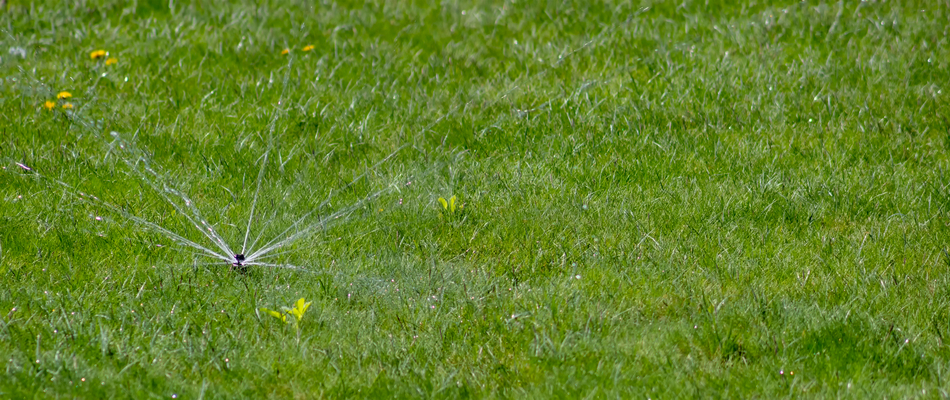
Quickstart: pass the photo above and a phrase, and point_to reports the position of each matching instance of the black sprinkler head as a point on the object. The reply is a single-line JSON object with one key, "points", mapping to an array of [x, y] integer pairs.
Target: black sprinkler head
{"points": [[239, 260]]}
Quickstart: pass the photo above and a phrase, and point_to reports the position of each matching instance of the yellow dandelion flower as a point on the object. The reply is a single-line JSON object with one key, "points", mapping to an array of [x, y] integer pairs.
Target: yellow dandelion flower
{"points": [[68, 106], [111, 61], [63, 95], [285, 52], [308, 47], [98, 54], [49, 104]]}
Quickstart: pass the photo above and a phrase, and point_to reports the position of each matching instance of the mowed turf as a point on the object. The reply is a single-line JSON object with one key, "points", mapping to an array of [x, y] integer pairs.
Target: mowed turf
{"points": [[655, 199]]}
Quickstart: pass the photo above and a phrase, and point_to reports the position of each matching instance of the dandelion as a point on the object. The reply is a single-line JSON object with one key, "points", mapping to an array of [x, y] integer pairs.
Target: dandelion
{"points": [[68, 106], [285, 52], [63, 95], [112, 61], [308, 47], [98, 54], [49, 104]]}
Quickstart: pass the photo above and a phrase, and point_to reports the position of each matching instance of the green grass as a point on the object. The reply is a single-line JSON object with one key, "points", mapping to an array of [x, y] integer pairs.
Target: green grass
{"points": [[661, 199]]}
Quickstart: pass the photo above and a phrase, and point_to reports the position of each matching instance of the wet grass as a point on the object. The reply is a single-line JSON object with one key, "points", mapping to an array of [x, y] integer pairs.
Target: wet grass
{"points": [[660, 199]]}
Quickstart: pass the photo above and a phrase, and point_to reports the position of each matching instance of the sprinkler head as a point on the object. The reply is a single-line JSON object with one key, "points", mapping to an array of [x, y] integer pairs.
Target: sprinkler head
{"points": [[238, 260]]}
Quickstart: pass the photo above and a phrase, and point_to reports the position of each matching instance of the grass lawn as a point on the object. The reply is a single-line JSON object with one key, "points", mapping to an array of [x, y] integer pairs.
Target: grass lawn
{"points": [[652, 199]]}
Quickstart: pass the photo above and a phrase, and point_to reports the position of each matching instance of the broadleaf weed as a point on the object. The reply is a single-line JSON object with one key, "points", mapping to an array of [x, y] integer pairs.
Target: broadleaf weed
{"points": [[297, 312]]}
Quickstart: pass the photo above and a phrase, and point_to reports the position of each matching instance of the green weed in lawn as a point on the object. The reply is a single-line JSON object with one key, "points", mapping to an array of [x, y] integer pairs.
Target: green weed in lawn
{"points": [[297, 311]]}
